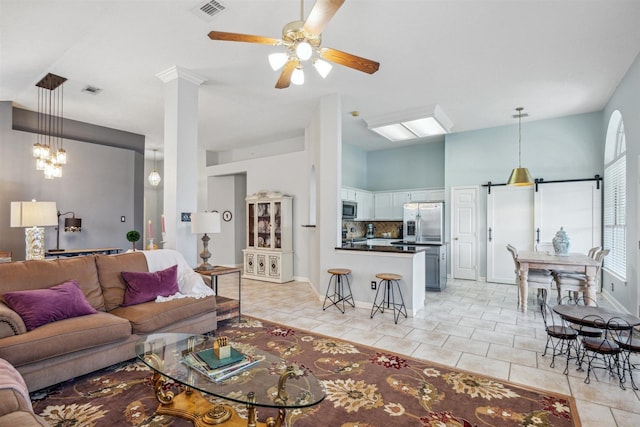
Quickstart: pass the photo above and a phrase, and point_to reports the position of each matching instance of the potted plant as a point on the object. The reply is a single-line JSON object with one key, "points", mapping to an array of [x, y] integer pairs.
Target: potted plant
{"points": [[133, 236]]}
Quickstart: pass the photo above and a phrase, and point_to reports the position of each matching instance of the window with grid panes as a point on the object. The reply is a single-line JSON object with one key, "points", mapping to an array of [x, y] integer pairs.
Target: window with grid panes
{"points": [[615, 197]]}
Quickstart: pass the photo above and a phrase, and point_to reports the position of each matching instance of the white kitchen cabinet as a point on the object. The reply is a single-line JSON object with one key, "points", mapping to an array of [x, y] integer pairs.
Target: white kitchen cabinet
{"points": [[365, 205], [349, 194], [383, 205], [434, 195], [399, 199], [269, 252]]}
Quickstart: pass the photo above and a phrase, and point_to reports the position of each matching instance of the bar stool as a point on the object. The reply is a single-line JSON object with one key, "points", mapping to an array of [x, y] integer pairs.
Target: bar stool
{"points": [[339, 295], [388, 296]]}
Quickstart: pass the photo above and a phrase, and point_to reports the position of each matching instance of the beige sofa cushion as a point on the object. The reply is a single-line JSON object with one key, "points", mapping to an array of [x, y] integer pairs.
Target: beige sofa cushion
{"points": [[46, 273], [152, 316], [110, 268], [63, 337]]}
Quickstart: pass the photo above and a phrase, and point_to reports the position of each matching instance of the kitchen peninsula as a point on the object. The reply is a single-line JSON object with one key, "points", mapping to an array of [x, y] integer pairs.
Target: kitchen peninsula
{"points": [[365, 261]]}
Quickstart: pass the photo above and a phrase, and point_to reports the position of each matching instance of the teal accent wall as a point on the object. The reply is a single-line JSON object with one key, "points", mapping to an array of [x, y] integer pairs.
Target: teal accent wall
{"points": [[570, 147], [413, 166], [354, 166]]}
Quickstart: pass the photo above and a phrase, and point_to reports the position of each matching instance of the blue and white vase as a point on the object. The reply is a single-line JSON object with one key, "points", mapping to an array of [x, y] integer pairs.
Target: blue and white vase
{"points": [[561, 243]]}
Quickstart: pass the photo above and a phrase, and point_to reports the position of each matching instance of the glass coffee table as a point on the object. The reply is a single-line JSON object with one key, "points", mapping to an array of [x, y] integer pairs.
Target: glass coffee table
{"points": [[272, 382]]}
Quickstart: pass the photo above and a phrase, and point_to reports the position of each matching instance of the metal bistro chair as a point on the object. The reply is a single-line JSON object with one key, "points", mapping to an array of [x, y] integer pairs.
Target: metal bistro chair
{"points": [[536, 278], [560, 337], [602, 352], [577, 282], [629, 341]]}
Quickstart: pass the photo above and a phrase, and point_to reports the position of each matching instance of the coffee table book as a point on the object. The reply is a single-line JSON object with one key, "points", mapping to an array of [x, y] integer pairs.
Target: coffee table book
{"points": [[222, 371]]}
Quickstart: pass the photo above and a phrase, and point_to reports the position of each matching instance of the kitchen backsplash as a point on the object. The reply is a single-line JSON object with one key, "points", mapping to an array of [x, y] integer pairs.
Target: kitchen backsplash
{"points": [[358, 229]]}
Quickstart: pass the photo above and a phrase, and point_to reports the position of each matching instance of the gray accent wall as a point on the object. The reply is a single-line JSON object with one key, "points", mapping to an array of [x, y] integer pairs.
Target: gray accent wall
{"points": [[100, 184]]}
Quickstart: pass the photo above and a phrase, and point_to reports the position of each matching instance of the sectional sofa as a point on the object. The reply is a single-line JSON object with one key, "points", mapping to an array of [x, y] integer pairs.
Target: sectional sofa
{"points": [[64, 349]]}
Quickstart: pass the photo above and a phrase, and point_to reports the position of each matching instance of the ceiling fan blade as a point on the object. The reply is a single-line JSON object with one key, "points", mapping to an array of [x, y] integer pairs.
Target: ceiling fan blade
{"points": [[236, 37], [320, 15], [285, 77], [351, 61]]}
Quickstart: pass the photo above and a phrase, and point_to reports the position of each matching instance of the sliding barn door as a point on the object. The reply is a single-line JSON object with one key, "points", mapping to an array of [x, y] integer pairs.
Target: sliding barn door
{"points": [[509, 221], [523, 217], [575, 206]]}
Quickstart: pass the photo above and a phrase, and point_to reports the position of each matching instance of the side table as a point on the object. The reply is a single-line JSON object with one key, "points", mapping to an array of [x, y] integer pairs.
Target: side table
{"points": [[220, 270]]}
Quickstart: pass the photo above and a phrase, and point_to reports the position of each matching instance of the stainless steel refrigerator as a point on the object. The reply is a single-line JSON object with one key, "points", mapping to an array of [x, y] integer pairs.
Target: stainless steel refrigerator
{"points": [[423, 222]]}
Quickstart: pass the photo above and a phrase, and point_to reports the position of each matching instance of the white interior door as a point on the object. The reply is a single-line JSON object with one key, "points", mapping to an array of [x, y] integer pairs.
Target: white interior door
{"points": [[509, 221], [464, 233], [575, 206]]}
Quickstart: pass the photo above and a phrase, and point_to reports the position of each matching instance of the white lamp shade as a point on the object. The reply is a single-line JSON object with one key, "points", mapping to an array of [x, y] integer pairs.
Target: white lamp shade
{"points": [[277, 60], [33, 214], [297, 77], [205, 222]]}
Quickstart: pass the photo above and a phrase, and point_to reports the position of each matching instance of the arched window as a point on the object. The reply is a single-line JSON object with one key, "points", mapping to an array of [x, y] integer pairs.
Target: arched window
{"points": [[615, 197]]}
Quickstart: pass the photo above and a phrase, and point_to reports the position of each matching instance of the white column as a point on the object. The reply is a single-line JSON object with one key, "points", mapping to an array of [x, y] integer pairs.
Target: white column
{"points": [[180, 158]]}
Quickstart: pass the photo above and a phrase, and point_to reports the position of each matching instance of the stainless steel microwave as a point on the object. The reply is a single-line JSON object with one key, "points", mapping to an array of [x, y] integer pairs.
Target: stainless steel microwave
{"points": [[349, 209]]}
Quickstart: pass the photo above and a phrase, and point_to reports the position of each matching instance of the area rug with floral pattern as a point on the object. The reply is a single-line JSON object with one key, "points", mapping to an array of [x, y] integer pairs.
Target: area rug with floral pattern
{"points": [[365, 387]]}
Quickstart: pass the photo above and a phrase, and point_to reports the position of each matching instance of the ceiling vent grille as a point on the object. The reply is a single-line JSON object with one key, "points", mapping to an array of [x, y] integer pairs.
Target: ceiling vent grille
{"points": [[208, 9], [92, 90]]}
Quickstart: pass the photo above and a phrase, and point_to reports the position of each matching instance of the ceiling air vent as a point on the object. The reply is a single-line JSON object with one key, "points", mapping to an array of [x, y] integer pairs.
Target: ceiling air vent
{"points": [[92, 90], [208, 9]]}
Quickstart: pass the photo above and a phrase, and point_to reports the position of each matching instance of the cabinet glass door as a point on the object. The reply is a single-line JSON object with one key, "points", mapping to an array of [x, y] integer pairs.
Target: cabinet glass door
{"points": [[264, 225], [277, 220], [251, 226]]}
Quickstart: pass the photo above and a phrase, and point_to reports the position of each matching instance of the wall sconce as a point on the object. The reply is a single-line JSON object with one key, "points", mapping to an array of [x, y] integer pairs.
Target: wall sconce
{"points": [[72, 224]]}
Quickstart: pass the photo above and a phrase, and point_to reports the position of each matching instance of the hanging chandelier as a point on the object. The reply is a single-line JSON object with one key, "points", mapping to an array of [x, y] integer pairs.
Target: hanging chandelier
{"points": [[520, 177], [154, 177], [48, 150]]}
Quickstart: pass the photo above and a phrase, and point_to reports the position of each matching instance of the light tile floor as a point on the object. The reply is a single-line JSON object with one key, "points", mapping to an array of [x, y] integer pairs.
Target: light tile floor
{"points": [[470, 325]]}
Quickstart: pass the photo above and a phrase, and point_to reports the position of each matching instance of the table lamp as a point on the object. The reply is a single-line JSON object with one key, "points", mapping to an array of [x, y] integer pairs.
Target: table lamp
{"points": [[203, 223], [34, 216], [72, 224]]}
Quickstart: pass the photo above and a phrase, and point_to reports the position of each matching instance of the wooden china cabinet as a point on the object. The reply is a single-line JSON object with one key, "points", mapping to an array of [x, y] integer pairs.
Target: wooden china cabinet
{"points": [[269, 252]]}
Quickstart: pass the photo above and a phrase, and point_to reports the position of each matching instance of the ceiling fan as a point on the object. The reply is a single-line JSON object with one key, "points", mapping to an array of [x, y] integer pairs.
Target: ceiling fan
{"points": [[302, 39]]}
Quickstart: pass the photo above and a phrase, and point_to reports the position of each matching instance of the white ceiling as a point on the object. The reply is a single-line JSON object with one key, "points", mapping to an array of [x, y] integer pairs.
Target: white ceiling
{"points": [[477, 59]]}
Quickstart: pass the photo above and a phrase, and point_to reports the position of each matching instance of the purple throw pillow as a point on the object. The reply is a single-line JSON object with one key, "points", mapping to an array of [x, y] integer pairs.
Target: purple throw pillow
{"points": [[38, 307], [143, 287]]}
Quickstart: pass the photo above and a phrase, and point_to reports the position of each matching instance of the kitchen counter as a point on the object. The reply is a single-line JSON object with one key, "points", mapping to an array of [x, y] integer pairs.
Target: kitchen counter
{"points": [[397, 249]]}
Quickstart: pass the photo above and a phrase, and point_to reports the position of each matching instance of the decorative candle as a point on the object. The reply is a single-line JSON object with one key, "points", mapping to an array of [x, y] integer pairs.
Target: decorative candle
{"points": [[162, 222], [150, 230]]}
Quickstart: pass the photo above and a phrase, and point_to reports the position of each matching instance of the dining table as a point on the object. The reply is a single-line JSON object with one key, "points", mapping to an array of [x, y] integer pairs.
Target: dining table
{"points": [[586, 315], [573, 261]]}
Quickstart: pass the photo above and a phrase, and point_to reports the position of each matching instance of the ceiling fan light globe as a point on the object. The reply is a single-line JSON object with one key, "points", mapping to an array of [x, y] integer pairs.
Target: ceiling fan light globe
{"points": [[297, 77], [322, 67], [303, 50], [277, 60]]}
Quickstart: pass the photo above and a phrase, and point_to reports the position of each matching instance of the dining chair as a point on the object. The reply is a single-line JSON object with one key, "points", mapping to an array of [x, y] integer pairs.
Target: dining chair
{"points": [[577, 282], [539, 279], [629, 340], [561, 338], [602, 352]]}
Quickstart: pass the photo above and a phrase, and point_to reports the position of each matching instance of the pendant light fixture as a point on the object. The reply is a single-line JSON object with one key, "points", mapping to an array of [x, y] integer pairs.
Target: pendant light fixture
{"points": [[48, 150], [520, 177], [154, 176]]}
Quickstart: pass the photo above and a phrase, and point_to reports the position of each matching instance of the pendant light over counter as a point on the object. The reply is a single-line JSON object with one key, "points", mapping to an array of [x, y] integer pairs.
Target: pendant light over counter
{"points": [[154, 177], [520, 177]]}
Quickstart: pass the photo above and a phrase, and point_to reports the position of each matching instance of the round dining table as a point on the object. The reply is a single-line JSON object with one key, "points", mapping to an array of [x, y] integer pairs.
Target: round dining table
{"points": [[585, 315]]}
